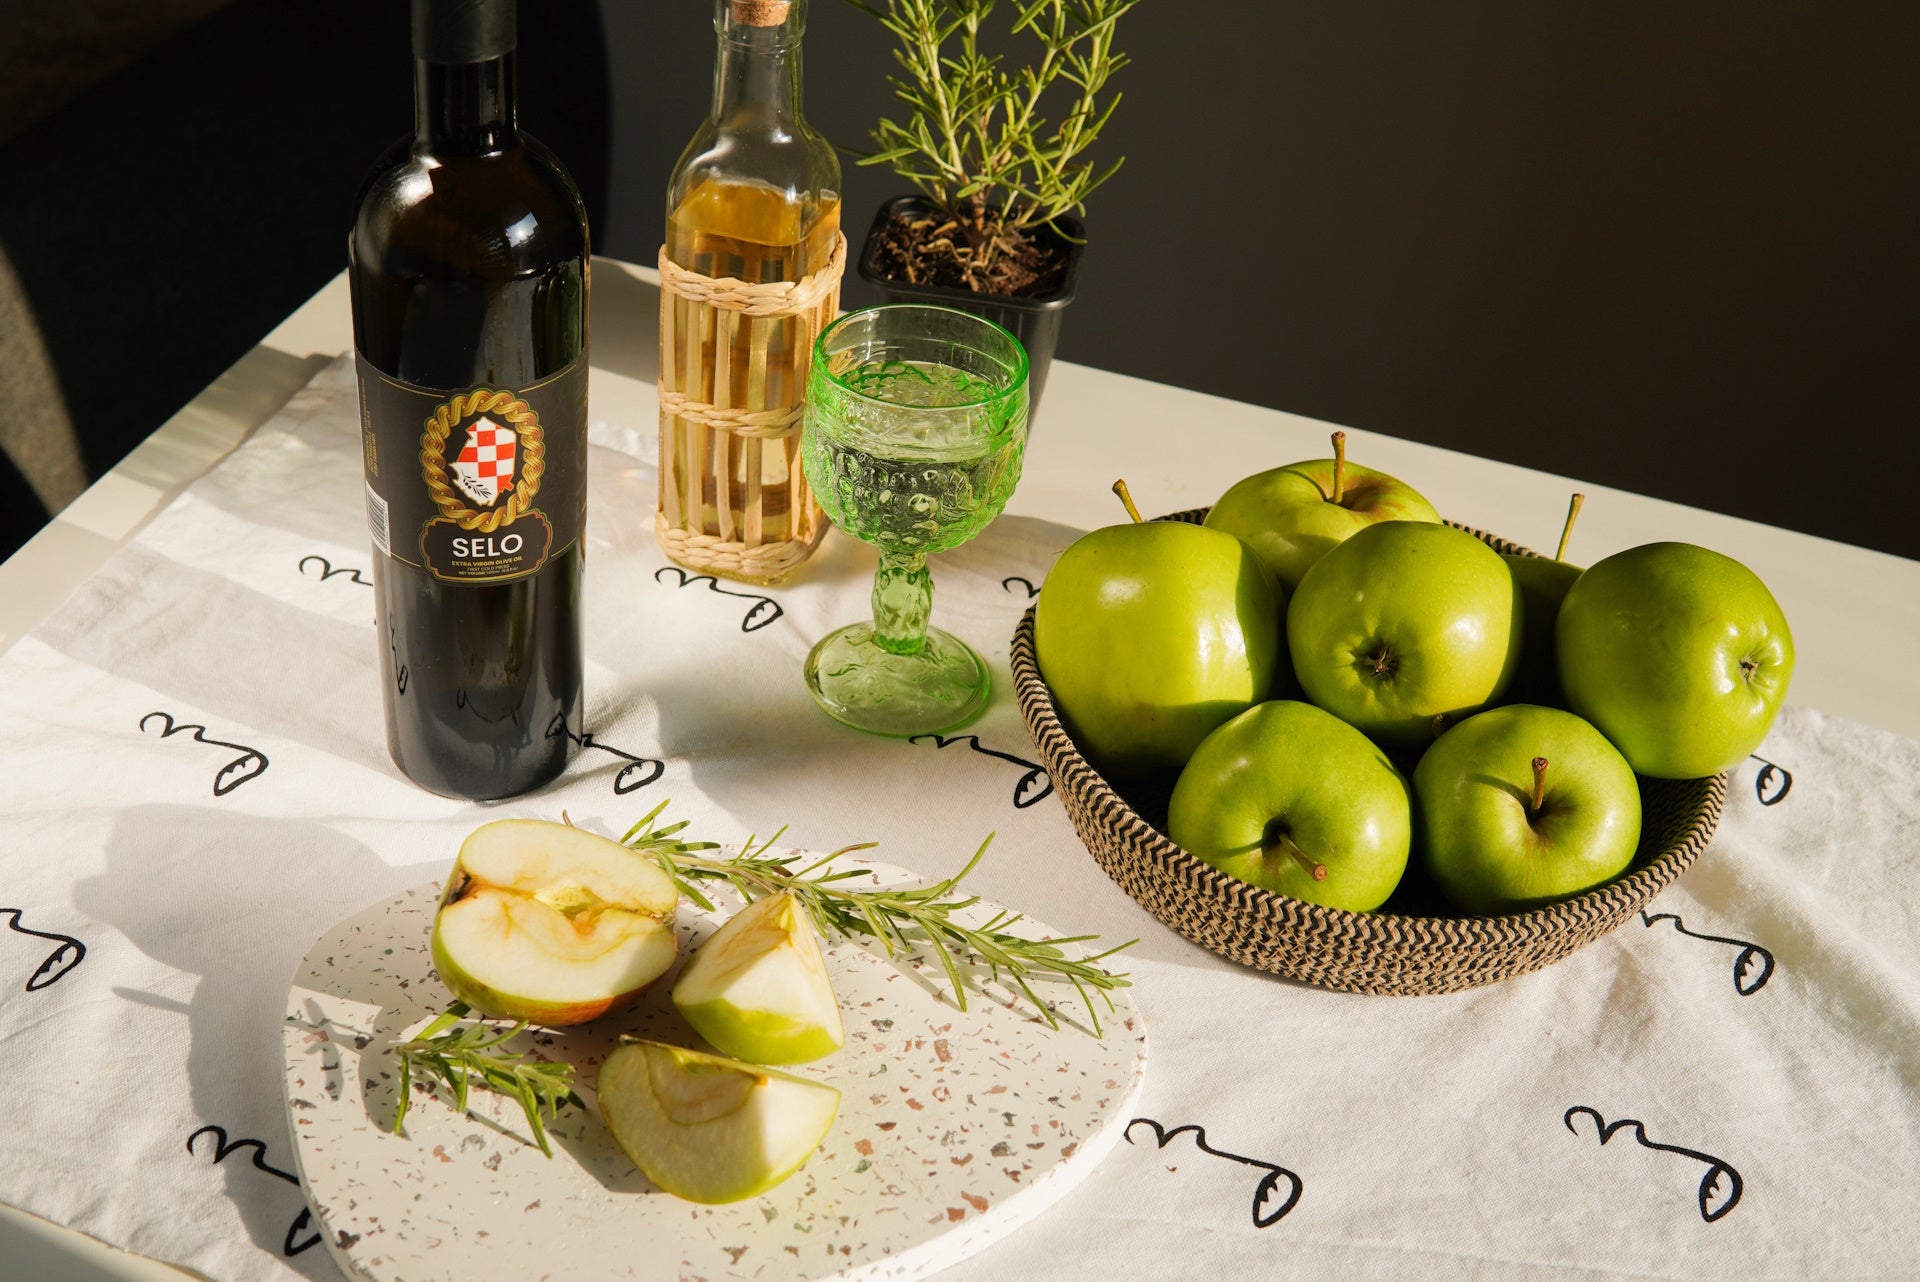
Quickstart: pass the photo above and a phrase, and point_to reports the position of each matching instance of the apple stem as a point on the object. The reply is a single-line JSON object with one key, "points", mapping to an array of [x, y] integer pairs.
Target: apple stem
{"points": [[1566, 531], [1126, 498], [1317, 871], [1339, 466], [1539, 783], [566, 819]]}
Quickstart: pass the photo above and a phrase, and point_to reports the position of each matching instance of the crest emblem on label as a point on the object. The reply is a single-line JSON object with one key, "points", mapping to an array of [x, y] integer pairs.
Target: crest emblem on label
{"points": [[494, 471], [484, 467], [482, 455]]}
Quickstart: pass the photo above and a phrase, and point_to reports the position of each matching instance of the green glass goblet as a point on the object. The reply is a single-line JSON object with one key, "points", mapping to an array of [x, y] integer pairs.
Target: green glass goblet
{"points": [[915, 425]]}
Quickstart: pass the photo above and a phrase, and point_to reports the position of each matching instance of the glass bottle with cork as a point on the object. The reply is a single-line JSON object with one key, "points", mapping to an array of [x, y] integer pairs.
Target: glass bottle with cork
{"points": [[750, 273]]}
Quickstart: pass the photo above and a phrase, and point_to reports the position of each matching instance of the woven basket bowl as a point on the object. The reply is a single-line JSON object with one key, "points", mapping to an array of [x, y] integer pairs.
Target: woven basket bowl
{"points": [[1380, 952]]}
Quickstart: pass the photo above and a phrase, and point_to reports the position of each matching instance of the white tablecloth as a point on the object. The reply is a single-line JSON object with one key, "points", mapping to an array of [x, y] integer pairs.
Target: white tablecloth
{"points": [[198, 786]]}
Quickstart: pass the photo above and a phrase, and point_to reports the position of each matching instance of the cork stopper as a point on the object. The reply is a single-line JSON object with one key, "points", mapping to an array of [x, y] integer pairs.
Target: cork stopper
{"points": [[759, 13]]}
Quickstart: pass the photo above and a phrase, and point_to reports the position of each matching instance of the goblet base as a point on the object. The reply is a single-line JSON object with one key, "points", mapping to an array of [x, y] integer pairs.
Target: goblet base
{"points": [[939, 687]]}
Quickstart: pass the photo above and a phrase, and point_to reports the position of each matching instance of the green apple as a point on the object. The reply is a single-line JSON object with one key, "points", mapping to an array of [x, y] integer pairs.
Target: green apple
{"points": [[1523, 806], [1290, 516], [1403, 623], [1296, 801], [710, 1129], [758, 989], [1679, 655], [1543, 583], [544, 922], [1151, 634]]}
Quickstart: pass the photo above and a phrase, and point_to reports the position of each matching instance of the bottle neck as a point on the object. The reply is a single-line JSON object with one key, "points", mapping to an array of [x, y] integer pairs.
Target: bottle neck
{"points": [[465, 106], [758, 69]]}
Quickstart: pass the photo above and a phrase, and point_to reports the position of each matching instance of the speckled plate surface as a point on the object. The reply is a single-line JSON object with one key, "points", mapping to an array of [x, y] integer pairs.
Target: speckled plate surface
{"points": [[955, 1127]]}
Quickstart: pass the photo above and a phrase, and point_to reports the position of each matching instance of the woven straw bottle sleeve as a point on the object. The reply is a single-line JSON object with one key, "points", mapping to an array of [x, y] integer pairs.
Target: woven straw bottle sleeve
{"points": [[719, 510]]}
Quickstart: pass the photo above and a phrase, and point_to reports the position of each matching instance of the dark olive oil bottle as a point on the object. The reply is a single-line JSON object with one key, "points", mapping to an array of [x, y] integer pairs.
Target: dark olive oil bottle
{"points": [[468, 266]]}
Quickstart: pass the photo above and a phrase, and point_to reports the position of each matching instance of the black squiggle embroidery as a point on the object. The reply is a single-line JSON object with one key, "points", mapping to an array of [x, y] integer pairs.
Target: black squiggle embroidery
{"points": [[763, 611], [250, 764], [290, 1248], [1263, 1191], [1744, 982], [327, 571], [1769, 772], [225, 1148], [1024, 792], [635, 775], [1006, 585], [1713, 1203], [68, 952]]}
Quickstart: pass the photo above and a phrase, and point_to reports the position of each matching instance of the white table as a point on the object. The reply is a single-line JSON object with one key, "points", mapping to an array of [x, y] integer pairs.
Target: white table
{"points": [[1855, 613]]}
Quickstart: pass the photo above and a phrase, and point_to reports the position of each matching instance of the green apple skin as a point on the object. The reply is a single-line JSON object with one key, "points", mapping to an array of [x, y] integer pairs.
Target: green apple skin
{"points": [[1404, 622], [1287, 518], [1287, 769], [1678, 654], [1543, 584], [772, 1038], [1151, 634], [1489, 851]]}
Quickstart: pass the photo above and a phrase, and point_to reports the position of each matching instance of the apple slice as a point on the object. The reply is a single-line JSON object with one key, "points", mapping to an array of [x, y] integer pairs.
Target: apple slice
{"points": [[547, 923], [710, 1129], [758, 990]]}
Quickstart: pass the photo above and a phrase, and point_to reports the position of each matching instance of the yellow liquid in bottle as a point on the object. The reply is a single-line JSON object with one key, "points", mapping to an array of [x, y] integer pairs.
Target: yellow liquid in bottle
{"points": [[746, 490]]}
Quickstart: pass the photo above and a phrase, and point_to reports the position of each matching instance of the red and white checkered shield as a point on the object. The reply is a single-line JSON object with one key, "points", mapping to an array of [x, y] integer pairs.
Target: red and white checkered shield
{"points": [[484, 468]]}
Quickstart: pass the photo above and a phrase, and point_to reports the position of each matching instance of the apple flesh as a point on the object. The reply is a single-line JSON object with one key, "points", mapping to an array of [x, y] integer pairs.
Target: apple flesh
{"points": [[758, 989], [1524, 806], [1293, 800], [1292, 516], [1149, 635], [1405, 622], [1677, 654], [710, 1129], [547, 923]]}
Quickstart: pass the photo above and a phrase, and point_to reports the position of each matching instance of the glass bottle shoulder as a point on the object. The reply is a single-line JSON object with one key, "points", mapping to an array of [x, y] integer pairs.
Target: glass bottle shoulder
{"points": [[501, 214], [755, 181]]}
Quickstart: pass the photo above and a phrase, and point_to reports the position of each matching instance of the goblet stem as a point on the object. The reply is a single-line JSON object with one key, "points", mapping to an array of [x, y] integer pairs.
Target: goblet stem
{"points": [[902, 600]]}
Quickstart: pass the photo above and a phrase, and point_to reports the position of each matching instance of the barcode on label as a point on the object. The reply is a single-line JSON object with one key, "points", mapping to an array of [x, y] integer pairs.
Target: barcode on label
{"points": [[377, 521]]}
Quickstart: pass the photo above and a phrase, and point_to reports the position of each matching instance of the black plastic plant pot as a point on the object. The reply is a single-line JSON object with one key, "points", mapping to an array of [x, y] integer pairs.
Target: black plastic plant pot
{"points": [[1034, 321]]}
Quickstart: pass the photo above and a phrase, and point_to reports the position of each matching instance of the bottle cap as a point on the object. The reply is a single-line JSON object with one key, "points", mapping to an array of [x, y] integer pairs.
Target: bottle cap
{"points": [[453, 31]]}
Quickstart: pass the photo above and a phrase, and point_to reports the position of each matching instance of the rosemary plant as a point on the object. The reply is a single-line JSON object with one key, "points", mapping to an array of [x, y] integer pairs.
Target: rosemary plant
{"points": [[461, 1056], [977, 140], [904, 920]]}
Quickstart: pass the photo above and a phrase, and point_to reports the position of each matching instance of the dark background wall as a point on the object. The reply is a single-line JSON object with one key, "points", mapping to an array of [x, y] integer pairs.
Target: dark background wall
{"points": [[1663, 247]]}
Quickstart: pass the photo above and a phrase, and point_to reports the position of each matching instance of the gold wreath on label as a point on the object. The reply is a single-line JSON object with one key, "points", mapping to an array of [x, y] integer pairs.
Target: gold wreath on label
{"points": [[532, 463]]}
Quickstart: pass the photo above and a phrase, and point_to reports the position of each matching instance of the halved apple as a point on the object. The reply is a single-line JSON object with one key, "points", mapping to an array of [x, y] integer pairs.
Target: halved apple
{"points": [[758, 990], [710, 1129], [544, 922]]}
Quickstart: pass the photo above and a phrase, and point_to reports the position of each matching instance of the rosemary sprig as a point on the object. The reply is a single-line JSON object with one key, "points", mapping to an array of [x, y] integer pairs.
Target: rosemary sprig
{"points": [[463, 1056], [903, 920]]}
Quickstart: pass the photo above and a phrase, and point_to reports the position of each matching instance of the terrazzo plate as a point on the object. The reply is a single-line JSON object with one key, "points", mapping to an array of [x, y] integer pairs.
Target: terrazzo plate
{"points": [[955, 1127]]}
